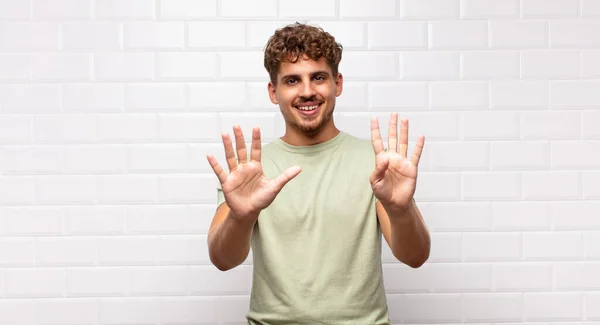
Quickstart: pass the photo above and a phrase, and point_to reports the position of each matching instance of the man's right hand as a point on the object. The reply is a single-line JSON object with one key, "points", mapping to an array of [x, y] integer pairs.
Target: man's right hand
{"points": [[246, 189]]}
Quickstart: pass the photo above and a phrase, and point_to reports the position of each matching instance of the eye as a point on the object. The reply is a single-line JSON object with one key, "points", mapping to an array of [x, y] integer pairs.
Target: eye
{"points": [[320, 78], [291, 81]]}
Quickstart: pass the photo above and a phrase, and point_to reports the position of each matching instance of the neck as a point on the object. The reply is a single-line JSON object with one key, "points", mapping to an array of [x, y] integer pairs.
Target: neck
{"points": [[297, 138]]}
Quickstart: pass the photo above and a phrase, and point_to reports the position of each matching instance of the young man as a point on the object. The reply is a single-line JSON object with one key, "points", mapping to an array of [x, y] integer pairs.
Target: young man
{"points": [[314, 203]]}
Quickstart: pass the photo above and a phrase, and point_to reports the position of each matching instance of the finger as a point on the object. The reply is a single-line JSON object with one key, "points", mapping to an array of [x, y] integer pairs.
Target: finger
{"points": [[240, 145], [403, 146], [416, 156], [380, 169], [284, 178], [255, 150], [393, 133], [219, 171], [229, 154], [376, 136]]}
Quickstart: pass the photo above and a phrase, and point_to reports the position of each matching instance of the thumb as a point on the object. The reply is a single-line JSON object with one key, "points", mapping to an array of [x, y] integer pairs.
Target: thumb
{"points": [[288, 175], [380, 169]]}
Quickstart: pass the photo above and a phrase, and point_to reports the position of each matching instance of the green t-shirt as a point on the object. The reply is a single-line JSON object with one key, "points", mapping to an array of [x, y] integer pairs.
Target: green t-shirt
{"points": [[317, 248]]}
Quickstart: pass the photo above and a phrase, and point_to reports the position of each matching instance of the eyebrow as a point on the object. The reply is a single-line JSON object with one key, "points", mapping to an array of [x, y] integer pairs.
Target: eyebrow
{"points": [[296, 76]]}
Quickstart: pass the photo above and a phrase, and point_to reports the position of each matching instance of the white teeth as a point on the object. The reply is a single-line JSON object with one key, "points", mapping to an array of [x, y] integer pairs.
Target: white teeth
{"points": [[307, 108]]}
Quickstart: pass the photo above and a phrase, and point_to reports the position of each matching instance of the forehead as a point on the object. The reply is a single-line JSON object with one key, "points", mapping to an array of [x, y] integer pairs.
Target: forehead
{"points": [[304, 65]]}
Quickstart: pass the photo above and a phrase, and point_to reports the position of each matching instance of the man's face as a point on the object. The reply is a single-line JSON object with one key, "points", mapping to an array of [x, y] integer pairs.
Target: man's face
{"points": [[306, 91]]}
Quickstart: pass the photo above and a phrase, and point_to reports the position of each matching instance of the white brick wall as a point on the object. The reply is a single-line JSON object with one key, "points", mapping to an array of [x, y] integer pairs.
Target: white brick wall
{"points": [[108, 108]]}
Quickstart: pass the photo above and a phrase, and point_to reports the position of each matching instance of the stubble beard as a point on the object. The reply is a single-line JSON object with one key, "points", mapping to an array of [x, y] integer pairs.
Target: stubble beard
{"points": [[310, 130]]}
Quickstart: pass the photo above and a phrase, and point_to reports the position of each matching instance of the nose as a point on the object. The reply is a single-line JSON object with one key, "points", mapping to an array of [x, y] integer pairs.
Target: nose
{"points": [[307, 90]]}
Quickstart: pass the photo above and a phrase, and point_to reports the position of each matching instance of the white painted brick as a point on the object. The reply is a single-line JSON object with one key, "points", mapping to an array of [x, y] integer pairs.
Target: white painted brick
{"points": [[153, 35], [165, 219], [53, 190], [97, 36], [552, 246], [462, 156], [371, 65], [197, 156], [431, 308], [591, 245], [143, 310], [590, 8], [296, 9], [258, 32], [31, 160], [575, 154], [64, 128], [247, 121], [30, 98], [458, 34], [15, 129], [574, 94], [590, 64], [388, 35], [189, 310], [576, 275], [354, 97], [189, 127], [592, 305], [430, 65], [186, 188], [127, 127], [188, 9], [67, 311], [555, 306], [61, 67], [183, 250], [15, 67], [489, 125], [521, 276], [82, 159], [34, 221], [358, 9], [398, 95], [551, 64], [61, 9], [429, 9], [439, 186], [124, 66], [200, 218], [575, 33], [550, 8], [457, 216], [222, 96], [564, 185], [493, 247], [236, 308], [445, 247], [525, 155], [17, 311], [351, 34], [145, 281], [492, 307], [126, 189], [242, 65], [489, 9], [157, 158], [550, 125], [14, 9], [29, 36], [491, 186], [591, 184], [155, 97], [458, 95], [124, 9], [231, 34], [519, 216], [34, 282], [70, 251], [519, 95], [96, 97], [237, 281], [186, 66], [518, 34], [591, 119], [95, 220], [16, 190], [399, 278], [254, 9], [128, 250], [17, 252], [486, 65], [435, 126], [580, 215]]}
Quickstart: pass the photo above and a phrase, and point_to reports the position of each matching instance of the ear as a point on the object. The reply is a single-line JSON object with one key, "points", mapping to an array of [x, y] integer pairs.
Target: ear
{"points": [[339, 85], [272, 95]]}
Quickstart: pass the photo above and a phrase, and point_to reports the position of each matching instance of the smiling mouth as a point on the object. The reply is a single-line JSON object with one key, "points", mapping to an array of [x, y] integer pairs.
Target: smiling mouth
{"points": [[308, 108]]}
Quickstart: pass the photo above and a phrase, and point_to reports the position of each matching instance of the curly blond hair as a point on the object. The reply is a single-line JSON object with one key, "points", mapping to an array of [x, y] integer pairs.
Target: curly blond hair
{"points": [[293, 41]]}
